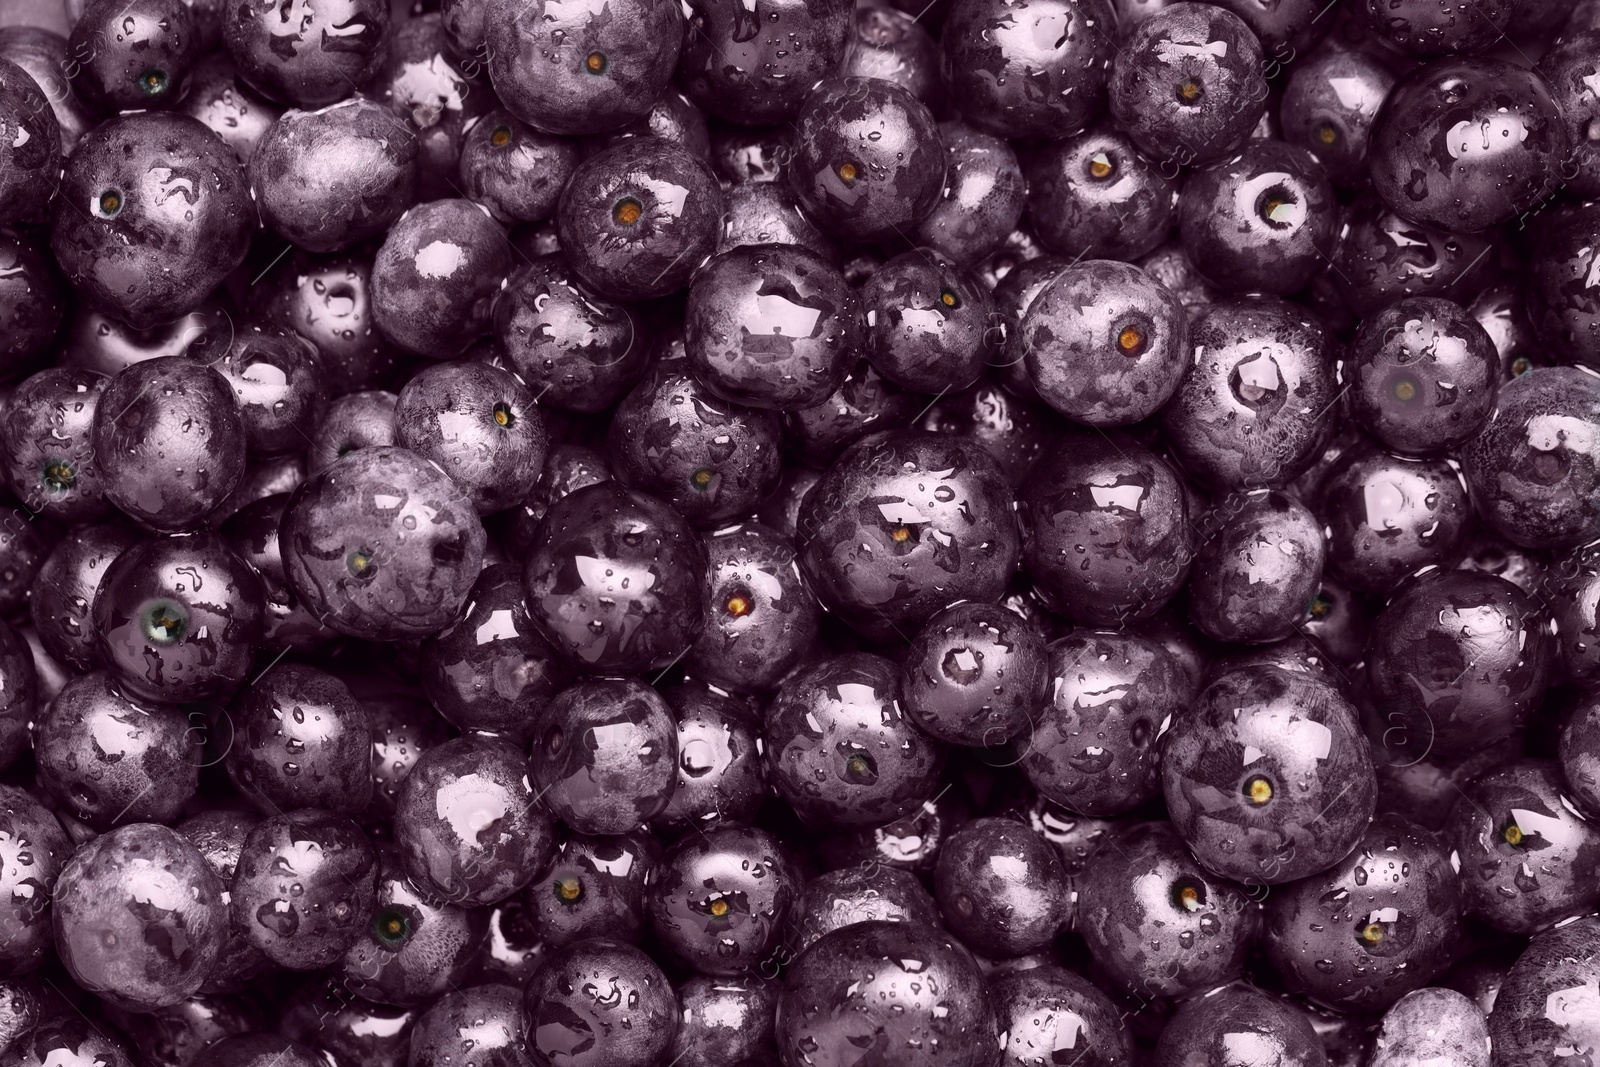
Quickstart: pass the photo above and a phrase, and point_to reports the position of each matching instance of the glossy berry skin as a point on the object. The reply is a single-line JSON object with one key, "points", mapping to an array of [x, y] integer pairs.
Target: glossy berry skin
{"points": [[1528, 857], [1535, 487], [169, 441], [1095, 193], [1076, 838], [724, 1020], [435, 278], [984, 194], [1252, 773], [904, 524], [31, 157], [1207, 1031], [41, 53], [857, 185], [1457, 661], [1423, 376], [513, 169], [890, 44], [975, 675], [569, 1023], [614, 580], [70, 1040], [781, 510], [1382, 257], [1254, 409], [594, 887], [1287, 30], [512, 951], [23, 549], [582, 68], [724, 900], [902, 988], [1539, 1014], [909, 843], [431, 98], [1432, 1024], [1379, 924], [671, 118], [305, 888], [1388, 517], [743, 155], [34, 849], [1013, 82], [841, 751], [1014, 293], [575, 350], [178, 618], [1251, 581], [769, 213], [478, 1026], [327, 300], [414, 950], [479, 424], [381, 545], [1037, 1008], [759, 616], [1297, 655], [711, 460], [1126, 507], [277, 381], [1187, 84], [1568, 587], [1430, 29], [217, 97], [139, 917], [1014, 431], [1000, 888], [1564, 67], [927, 323], [300, 741], [1264, 220], [636, 219], [1504, 310], [47, 444], [140, 249], [1580, 754], [130, 57], [310, 60], [1565, 308], [107, 761], [861, 893], [1106, 344], [1328, 107], [349, 1027], [329, 178], [252, 532], [1108, 699], [606, 756], [403, 729], [219, 835], [33, 299], [1467, 143], [469, 825], [569, 468], [771, 326], [491, 671], [176, 1034], [754, 65], [721, 767]]}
